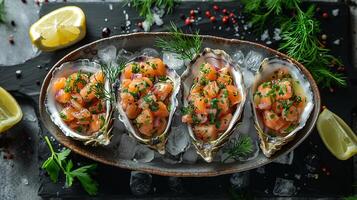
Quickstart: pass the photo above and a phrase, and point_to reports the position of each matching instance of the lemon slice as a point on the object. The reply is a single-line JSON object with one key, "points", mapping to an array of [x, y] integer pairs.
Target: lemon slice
{"points": [[338, 137], [10, 111], [59, 29]]}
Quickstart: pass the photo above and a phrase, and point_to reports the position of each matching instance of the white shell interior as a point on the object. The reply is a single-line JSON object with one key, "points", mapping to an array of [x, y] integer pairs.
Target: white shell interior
{"points": [[175, 78], [220, 59], [268, 67], [53, 108]]}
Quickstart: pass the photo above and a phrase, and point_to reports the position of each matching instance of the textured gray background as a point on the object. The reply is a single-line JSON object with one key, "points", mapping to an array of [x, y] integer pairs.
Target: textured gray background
{"points": [[19, 177]]}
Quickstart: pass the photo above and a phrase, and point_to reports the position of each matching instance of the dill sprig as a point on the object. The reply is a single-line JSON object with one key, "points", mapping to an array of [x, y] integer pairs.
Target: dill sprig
{"points": [[185, 46], [2, 11], [102, 93], [242, 146], [111, 73], [299, 36], [144, 7], [300, 41]]}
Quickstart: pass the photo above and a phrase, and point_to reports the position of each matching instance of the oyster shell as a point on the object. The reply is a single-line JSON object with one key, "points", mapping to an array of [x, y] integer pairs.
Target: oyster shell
{"points": [[218, 59], [300, 86], [156, 142], [101, 137]]}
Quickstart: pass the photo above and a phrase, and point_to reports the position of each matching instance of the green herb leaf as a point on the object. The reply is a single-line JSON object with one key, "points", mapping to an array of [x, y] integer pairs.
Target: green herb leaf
{"points": [[52, 169], [89, 185], [58, 162], [184, 46], [242, 146]]}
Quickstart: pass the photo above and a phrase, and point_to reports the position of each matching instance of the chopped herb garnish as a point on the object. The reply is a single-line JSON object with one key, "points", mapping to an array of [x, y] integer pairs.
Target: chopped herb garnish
{"points": [[63, 116], [212, 118], [135, 68], [203, 81], [214, 103]]}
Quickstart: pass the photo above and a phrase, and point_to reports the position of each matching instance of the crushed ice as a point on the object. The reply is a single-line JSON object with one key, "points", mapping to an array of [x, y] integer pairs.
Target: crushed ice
{"points": [[143, 154], [284, 187], [172, 60], [253, 60], [140, 183], [178, 140]]}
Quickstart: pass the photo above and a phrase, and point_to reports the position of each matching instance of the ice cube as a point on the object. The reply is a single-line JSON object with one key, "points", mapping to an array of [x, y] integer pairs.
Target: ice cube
{"points": [[240, 180], [190, 156], [178, 140], [143, 154], [238, 57], [265, 35], [277, 32], [247, 121], [252, 60], [284, 187], [24, 181], [157, 19], [140, 183], [175, 184], [150, 52], [124, 55], [337, 42], [127, 147], [286, 159], [248, 77], [172, 60], [147, 25], [108, 54], [335, 12]]}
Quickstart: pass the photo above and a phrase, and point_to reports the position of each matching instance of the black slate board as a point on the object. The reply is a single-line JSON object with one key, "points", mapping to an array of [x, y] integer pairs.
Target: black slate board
{"points": [[114, 182]]}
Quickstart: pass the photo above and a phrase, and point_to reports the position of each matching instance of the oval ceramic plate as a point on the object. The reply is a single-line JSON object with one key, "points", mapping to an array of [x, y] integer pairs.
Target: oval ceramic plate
{"points": [[137, 41]]}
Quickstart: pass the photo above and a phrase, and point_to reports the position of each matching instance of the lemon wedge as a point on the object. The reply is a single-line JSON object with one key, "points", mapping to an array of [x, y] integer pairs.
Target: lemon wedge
{"points": [[59, 29], [338, 137], [10, 111]]}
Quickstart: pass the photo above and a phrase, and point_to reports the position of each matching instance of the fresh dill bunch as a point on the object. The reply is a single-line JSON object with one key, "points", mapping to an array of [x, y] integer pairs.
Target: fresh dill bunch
{"points": [[2, 11], [300, 41], [185, 46], [263, 10], [242, 146], [144, 7]]}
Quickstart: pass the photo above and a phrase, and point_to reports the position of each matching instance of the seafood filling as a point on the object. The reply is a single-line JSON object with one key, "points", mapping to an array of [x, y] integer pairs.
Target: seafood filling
{"points": [[212, 100], [280, 102], [145, 95], [82, 109]]}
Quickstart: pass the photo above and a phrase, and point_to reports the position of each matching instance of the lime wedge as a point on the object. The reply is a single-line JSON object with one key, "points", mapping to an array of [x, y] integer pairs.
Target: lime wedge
{"points": [[338, 137], [10, 111]]}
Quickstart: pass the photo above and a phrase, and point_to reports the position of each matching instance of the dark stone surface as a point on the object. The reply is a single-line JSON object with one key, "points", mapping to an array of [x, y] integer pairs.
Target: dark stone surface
{"points": [[311, 162]]}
